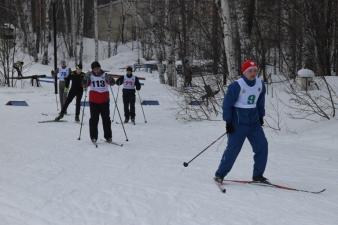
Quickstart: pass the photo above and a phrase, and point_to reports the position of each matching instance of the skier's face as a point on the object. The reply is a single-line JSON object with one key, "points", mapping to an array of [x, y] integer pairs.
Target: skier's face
{"points": [[97, 70], [251, 74], [78, 70]]}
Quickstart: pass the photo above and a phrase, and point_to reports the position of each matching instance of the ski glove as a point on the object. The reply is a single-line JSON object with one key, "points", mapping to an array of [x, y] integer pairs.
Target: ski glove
{"points": [[229, 128], [261, 121], [110, 80]]}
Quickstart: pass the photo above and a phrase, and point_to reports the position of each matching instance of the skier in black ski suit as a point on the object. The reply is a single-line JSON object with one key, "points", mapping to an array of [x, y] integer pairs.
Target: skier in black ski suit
{"points": [[129, 82], [76, 90]]}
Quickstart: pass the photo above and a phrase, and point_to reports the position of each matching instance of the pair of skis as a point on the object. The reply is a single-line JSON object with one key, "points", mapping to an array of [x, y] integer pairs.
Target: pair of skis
{"points": [[50, 121], [133, 123], [112, 143], [95, 143], [222, 185]]}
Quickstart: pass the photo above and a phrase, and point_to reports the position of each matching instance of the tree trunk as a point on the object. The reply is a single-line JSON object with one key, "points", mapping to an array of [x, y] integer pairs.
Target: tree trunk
{"points": [[81, 28], [45, 60], [215, 39], [110, 26], [122, 22], [66, 27], [96, 32], [228, 39], [74, 18], [28, 23]]}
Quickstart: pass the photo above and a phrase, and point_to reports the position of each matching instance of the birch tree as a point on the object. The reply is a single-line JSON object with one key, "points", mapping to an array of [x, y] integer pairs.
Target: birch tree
{"points": [[228, 39], [24, 10]]}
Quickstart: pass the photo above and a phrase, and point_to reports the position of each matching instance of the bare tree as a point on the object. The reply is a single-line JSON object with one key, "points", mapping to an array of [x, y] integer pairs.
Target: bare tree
{"points": [[8, 51], [24, 13], [228, 38], [96, 31], [46, 31], [81, 28], [110, 28]]}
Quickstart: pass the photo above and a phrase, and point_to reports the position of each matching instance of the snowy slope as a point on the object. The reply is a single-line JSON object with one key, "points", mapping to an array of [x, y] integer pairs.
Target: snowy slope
{"points": [[48, 177]]}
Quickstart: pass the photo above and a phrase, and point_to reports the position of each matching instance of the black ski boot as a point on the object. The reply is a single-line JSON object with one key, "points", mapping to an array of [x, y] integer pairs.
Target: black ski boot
{"points": [[59, 117], [109, 140], [126, 120], [218, 180], [94, 141], [77, 119], [219, 183], [260, 179], [133, 121]]}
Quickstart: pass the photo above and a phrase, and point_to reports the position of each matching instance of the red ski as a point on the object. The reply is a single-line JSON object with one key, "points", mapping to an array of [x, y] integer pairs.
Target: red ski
{"points": [[269, 184]]}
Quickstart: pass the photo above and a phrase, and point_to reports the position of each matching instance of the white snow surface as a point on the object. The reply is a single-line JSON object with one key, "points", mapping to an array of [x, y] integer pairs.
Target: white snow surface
{"points": [[48, 177], [305, 73]]}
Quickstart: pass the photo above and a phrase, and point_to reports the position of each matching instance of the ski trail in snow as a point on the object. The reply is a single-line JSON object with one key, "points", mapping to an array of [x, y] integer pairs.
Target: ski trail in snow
{"points": [[48, 177]]}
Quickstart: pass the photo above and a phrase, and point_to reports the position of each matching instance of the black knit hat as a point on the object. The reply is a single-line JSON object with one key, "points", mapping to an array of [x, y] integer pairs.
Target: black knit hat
{"points": [[129, 69], [79, 66], [95, 64]]}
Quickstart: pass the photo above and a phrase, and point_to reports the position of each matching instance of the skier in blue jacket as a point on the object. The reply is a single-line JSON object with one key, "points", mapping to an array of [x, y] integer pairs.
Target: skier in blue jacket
{"points": [[243, 112]]}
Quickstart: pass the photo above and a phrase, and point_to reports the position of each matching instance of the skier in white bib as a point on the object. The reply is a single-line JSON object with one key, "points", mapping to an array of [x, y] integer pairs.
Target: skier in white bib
{"points": [[98, 82], [62, 74], [243, 112], [130, 83]]}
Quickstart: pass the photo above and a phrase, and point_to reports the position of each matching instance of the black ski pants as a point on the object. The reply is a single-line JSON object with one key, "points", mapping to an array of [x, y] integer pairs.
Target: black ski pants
{"points": [[70, 97], [95, 111], [129, 105]]}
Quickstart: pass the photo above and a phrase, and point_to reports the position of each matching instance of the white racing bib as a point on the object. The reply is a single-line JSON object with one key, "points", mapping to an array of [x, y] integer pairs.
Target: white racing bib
{"points": [[98, 83], [248, 96], [63, 73], [129, 82]]}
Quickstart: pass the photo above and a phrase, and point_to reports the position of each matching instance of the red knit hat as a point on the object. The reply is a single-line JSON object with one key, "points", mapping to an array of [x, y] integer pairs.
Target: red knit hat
{"points": [[248, 64]]}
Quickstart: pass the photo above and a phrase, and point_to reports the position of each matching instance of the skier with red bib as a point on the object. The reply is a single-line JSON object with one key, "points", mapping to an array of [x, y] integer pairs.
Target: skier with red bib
{"points": [[98, 82]]}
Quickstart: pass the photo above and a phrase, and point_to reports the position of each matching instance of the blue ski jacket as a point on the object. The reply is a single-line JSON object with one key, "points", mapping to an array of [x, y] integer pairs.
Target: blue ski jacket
{"points": [[240, 116]]}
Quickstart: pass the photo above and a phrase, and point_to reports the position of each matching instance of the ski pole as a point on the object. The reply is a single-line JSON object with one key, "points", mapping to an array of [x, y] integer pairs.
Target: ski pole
{"points": [[57, 103], [82, 114], [118, 91], [185, 164], [145, 120], [118, 111]]}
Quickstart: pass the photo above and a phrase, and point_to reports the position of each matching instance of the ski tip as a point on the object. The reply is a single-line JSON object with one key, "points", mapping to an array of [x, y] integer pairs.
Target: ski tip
{"points": [[321, 191], [221, 187], [117, 144]]}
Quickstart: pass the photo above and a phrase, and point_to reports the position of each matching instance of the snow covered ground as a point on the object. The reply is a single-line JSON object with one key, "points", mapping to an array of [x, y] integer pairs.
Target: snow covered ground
{"points": [[47, 176]]}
